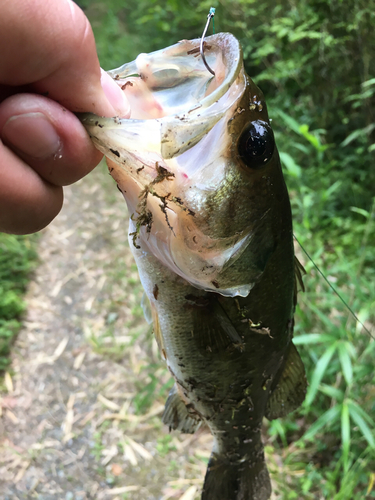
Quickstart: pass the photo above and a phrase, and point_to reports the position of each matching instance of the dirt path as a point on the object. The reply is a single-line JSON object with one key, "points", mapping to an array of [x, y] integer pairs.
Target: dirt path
{"points": [[81, 418]]}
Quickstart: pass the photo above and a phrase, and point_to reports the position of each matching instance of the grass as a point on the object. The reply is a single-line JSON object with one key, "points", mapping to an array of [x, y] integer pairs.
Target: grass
{"points": [[17, 260], [331, 438]]}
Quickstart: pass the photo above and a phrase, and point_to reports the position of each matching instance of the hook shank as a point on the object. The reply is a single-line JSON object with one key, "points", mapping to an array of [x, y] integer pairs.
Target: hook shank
{"points": [[209, 17]]}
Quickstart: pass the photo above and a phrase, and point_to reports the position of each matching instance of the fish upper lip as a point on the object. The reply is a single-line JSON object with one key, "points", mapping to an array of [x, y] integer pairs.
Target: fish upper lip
{"points": [[228, 46]]}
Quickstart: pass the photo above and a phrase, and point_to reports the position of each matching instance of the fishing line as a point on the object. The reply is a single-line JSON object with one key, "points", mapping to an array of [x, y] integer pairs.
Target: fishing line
{"points": [[334, 290]]}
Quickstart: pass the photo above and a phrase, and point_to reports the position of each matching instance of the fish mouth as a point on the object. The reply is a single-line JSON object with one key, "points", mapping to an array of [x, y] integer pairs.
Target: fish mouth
{"points": [[174, 103], [176, 139], [174, 100]]}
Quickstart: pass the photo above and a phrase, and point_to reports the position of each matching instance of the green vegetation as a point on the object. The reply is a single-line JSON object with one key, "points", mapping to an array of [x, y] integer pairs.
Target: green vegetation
{"points": [[17, 259], [151, 388], [165, 444]]}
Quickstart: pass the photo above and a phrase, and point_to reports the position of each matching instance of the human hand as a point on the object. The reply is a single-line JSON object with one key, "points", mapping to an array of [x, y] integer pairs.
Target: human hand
{"points": [[48, 70]]}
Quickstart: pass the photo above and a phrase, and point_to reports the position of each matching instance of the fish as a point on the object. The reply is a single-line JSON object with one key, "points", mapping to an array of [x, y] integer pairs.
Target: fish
{"points": [[211, 234]]}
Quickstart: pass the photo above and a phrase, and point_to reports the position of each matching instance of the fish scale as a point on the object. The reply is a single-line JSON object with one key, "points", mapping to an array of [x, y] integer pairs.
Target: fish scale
{"points": [[211, 233]]}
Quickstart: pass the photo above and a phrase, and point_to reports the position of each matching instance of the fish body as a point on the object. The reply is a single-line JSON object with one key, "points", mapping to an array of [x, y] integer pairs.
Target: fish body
{"points": [[211, 233]]}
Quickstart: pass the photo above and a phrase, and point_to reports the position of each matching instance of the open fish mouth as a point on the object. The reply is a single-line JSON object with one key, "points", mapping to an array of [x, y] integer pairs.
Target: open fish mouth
{"points": [[172, 88], [171, 157]]}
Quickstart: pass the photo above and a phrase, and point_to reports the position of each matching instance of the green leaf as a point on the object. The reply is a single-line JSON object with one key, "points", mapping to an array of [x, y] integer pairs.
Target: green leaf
{"points": [[319, 372], [346, 362], [332, 189], [301, 147], [328, 417], [361, 211], [368, 350], [361, 412], [364, 428], [313, 138], [290, 122], [294, 37], [331, 391], [368, 83], [313, 338], [358, 133], [278, 429], [345, 434], [293, 169], [351, 137], [321, 314]]}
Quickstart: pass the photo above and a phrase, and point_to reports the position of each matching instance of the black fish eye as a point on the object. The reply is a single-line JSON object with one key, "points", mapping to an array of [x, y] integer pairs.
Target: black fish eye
{"points": [[256, 144]]}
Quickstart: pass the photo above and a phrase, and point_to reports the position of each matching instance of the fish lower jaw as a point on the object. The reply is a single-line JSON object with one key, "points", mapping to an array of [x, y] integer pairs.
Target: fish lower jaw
{"points": [[235, 291], [155, 231], [158, 245]]}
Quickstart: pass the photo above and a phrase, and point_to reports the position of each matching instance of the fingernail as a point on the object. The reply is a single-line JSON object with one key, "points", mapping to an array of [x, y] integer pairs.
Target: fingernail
{"points": [[115, 95], [32, 134]]}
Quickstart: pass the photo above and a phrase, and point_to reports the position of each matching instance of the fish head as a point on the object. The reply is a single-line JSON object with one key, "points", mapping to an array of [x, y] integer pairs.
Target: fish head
{"points": [[197, 164]]}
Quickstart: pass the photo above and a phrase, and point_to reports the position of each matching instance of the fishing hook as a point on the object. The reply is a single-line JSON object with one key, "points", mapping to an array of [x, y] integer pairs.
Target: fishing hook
{"points": [[209, 17]]}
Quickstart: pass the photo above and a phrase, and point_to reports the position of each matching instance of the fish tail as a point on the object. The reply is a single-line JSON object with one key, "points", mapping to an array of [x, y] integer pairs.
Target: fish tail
{"points": [[248, 480]]}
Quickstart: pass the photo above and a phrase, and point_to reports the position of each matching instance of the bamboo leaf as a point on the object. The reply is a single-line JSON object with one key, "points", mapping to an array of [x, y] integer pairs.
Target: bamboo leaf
{"points": [[319, 372], [358, 409], [290, 122], [313, 338], [358, 133], [364, 428], [368, 83], [332, 392], [310, 137], [322, 316], [361, 211], [346, 362], [335, 186], [345, 434], [328, 417], [351, 137], [279, 430], [368, 351], [293, 169]]}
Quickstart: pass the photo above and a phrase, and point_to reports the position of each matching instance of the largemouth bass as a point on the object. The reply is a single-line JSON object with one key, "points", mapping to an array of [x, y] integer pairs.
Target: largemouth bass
{"points": [[211, 232]]}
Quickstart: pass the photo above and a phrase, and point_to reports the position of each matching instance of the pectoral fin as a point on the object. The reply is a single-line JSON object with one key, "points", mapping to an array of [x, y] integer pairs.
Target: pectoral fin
{"points": [[290, 388], [212, 327]]}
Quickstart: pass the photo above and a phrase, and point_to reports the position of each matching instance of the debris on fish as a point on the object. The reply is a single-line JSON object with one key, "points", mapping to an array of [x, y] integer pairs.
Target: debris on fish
{"points": [[211, 232]]}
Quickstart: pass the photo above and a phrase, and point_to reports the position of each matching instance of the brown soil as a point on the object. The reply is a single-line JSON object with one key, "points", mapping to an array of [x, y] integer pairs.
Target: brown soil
{"points": [[81, 414]]}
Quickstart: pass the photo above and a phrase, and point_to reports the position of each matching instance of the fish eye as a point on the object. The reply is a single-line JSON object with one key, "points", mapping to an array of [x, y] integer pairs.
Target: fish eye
{"points": [[256, 144]]}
